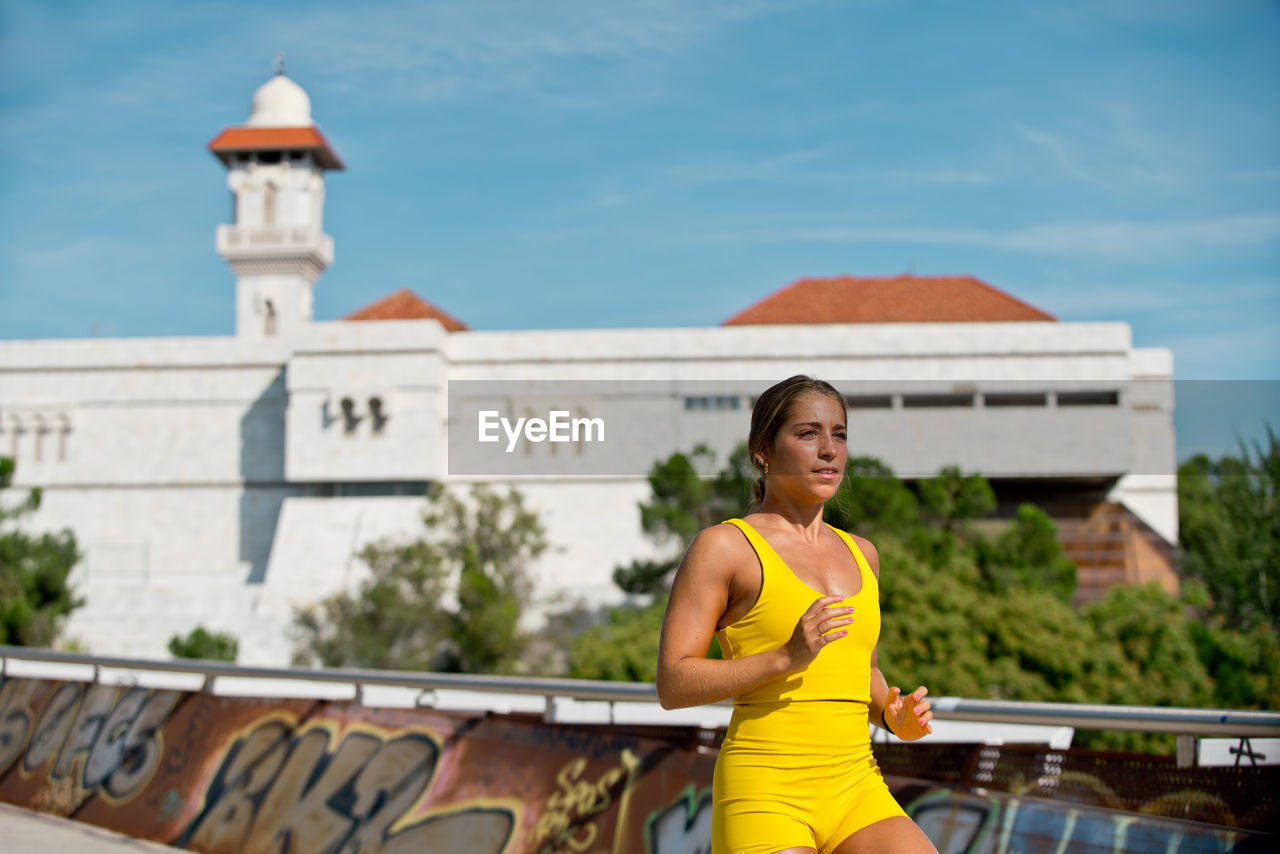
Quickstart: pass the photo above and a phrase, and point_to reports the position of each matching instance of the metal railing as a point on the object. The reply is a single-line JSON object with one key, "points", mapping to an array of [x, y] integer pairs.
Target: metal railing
{"points": [[1187, 724]]}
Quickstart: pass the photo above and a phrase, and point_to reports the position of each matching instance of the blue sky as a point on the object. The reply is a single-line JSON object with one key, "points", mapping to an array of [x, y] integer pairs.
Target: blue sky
{"points": [[661, 163]]}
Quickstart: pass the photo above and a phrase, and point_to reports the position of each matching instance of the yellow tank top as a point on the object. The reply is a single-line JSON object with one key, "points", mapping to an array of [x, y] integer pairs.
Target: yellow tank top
{"points": [[842, 670]]}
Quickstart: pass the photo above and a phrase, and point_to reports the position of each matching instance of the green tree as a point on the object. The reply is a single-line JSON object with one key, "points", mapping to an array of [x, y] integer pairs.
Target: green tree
{"points": [[203, 644], [873, 501], [949, 505], [34, 594], [450, 601], [623, 646], [940, 627], [1229, 531], [1245, 665], [1154, 631], [1027, 554], [1156, 639], [688, 494], [953, 499]]}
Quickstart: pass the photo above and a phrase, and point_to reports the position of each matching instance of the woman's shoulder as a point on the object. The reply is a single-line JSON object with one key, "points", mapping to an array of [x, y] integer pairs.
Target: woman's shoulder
{"points": [[718, 547], [865, 546], [722, 537]]}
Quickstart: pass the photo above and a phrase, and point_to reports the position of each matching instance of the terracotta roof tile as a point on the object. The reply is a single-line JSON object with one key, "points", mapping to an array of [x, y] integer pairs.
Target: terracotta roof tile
{"points": [[897, 299], [404, 304], [236, 139]]}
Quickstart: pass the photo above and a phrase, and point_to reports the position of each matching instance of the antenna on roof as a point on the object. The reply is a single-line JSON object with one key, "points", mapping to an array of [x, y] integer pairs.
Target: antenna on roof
{"points": [[279, 63]]}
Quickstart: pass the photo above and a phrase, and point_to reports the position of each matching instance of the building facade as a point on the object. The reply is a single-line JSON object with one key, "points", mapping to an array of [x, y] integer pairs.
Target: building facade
{"points": [[226, 481]]}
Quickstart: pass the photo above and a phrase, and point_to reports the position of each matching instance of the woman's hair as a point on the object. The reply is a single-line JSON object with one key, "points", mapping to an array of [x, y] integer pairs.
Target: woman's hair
{"points": [[771, 411]]}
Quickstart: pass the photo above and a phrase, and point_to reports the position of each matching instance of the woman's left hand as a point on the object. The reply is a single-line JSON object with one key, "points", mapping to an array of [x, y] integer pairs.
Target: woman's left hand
{"points": [[908, 717]]}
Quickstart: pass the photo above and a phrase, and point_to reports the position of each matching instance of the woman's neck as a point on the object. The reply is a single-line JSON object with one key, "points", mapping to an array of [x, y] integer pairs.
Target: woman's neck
{"points": [[805, 518]]}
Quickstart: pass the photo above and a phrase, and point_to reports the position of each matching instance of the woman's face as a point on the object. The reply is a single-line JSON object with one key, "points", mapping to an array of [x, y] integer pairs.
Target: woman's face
{"points": [[809, 452]]}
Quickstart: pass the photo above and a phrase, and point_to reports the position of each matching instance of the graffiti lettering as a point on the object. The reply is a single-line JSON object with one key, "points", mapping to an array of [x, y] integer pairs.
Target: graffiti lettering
{"points": [[294, 776], [971, 825], [286, 792], [15, 718], [566, 823], [52, 726], [129, 759], [112, 733], [296, 811], [970, 819], [682, 828], [388, 786], [247, 770], [95, 704]]}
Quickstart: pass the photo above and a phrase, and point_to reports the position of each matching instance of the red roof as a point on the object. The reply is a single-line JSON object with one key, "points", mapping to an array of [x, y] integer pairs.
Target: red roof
{"points": [[898, 299], [238, 139], [404, 304]]}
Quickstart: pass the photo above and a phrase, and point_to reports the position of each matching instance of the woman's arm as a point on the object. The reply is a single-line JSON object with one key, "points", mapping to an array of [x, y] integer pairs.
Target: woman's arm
{"points": [[699, 599], [907, 717]]}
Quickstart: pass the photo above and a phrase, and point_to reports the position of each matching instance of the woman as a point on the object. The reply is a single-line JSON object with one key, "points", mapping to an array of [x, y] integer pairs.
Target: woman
{"points": [[795, 604]]}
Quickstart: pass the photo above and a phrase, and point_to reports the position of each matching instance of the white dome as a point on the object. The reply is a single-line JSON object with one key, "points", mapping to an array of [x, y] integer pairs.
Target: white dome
{"points": [[280, 103]]}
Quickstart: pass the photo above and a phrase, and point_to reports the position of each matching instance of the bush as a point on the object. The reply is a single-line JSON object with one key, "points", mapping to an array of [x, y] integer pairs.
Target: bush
{"points": [[205, 645]]}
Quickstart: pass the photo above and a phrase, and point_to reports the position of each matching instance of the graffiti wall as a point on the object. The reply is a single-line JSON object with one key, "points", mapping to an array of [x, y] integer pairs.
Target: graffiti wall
{"points": [[229, 774]]}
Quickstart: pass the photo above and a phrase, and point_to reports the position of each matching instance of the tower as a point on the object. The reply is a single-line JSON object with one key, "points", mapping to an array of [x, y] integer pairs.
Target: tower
{"points": [[276, 243]]}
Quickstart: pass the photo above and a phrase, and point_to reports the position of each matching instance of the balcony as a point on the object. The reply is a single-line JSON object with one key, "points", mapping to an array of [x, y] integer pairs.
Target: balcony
{"points": [[232, 239], [242, 245]]}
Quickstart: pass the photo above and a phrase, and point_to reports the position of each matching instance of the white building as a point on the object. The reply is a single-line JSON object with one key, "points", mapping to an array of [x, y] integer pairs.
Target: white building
{"points": [[222, 481]]}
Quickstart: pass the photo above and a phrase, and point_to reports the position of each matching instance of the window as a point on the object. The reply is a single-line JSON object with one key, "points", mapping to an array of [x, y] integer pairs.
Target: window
{"points": [[708, 401], [269, 156], [1014, 398], [368, 489], [869, 401], [936, 401], [350, 420], [377, 416], [1088, 398], [64, 428], [15, 435], [40, 431], [269, 204]]}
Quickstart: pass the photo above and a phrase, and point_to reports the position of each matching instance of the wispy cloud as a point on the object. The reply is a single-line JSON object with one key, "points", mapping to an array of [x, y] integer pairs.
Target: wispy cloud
{"points": [[1242, 349], [400, 53], [1063, 155], [1112, 239], [666, 180], [426, 52], [738, 169], [1126, 128], [1120, 238], [1093, 298], [1110, 144]]}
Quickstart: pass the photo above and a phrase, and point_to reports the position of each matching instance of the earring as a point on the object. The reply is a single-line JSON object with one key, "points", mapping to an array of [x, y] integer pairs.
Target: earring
{"points": [[766, 467]]}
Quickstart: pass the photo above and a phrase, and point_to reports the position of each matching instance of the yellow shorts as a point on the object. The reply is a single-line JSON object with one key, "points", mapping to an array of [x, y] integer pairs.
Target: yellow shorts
{"points": [[796, 774]]}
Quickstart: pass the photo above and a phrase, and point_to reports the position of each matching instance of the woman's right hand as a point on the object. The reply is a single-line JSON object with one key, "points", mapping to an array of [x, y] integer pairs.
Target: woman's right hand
{"points": [[818, 626]]}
